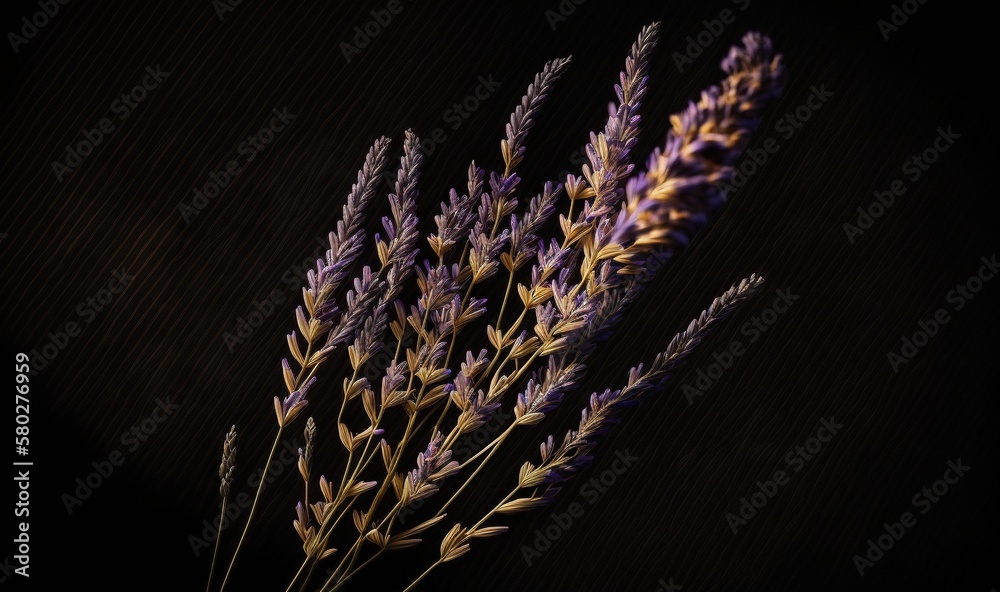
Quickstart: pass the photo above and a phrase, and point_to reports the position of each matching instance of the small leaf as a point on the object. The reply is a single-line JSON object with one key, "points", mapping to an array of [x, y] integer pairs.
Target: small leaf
{"points": [[345, 436], [489, 531], [386, 454], [300, 318], [293, 346], [368, 400], [495, 337], [359, 520], [422, 526], [398, 485], [279, 412], [400, 543], [521, 505], [286, 372], [383, 252]]}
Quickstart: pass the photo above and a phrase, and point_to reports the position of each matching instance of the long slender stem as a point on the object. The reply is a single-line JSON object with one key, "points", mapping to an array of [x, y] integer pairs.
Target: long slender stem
{"points": [[359, 568], [297, 574], [422, 576], [253, 508], [434, 565], [506, 296], [215, 553], [489, 514], [494, 446]]}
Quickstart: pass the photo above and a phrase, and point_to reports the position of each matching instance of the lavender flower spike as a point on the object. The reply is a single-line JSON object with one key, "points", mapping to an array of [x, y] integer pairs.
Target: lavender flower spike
{"points": [[346, 243], [672, 200], [559, 462], [433, 466]]}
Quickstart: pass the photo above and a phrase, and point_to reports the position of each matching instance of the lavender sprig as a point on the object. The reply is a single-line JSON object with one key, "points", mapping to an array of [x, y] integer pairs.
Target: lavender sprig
{"points": [[571, 327], [559, 462], [609, 151], [457, 215], [628, 225], [228, 465], [346, 243], [680, 189], [399, 253], [345, 247], [487, 239], [226, 469], [523, 117], [433, 466], [754, 62], [553, 335]]}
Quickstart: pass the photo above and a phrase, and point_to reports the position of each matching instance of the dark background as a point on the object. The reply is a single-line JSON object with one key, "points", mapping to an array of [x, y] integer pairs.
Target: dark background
{"points": [[664, 519]]}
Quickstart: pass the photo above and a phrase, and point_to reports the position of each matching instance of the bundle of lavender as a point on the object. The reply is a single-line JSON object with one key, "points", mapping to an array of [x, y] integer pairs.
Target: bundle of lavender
{"points": [[618, 229]]}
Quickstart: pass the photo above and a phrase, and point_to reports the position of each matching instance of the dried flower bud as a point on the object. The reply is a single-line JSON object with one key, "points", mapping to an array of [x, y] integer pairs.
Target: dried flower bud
{"points": [[228, 465]]}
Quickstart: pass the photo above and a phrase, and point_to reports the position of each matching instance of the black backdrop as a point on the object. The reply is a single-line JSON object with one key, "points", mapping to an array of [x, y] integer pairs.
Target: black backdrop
{"points": [[664, 519]]}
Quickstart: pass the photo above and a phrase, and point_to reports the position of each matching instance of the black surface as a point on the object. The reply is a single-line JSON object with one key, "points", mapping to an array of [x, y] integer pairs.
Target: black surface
{"points": [[664, 519]]}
